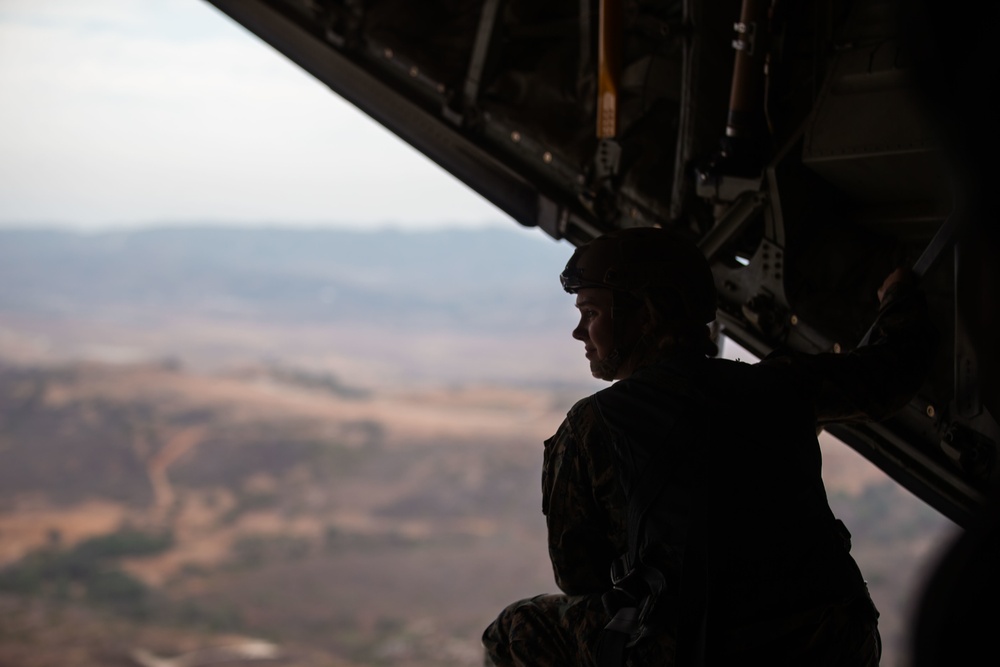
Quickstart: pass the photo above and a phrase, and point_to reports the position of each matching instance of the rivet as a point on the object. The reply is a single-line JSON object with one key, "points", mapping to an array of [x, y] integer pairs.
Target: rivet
{"points": [[930, 411], [515, 136], [794, 320], [547, 157], [836, 348], [414, 71], [440, 87], [634, 212], [388, 54]]}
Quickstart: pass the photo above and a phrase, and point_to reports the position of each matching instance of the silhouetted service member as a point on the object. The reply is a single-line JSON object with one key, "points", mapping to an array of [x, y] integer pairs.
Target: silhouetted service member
{"points": [[696, 481]]}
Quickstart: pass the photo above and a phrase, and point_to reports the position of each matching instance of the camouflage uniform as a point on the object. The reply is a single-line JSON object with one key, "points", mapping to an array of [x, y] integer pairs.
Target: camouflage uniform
{"points": [[772, 565]]}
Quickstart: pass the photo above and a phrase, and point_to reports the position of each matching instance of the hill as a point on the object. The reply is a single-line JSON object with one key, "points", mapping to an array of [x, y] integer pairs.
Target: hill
{"points": [[439, 306], [195, 452]]}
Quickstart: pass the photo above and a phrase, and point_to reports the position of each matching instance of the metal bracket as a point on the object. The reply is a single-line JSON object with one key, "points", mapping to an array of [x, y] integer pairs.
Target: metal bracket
{"points": [[480, 55], [732, 222], [607, 161], [972, 452]]}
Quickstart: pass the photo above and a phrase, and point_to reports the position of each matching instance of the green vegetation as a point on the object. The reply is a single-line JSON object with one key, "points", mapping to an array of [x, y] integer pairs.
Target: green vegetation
{"points": [[331, 459], [217, 617], [254, 550], [326, 382], [125, 542], [249, 502], [87, 571]]}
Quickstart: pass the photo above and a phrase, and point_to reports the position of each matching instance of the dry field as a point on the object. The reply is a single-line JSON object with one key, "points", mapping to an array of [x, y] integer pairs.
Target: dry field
{"points": [[344, 509], [347, 527]]}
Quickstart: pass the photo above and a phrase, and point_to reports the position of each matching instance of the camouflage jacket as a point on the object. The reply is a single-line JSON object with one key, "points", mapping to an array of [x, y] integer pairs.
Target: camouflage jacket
{"points": [[737, 442]]}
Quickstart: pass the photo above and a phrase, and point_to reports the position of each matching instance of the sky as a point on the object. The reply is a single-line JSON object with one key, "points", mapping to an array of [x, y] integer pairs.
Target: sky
{"points": [[133, 113]]}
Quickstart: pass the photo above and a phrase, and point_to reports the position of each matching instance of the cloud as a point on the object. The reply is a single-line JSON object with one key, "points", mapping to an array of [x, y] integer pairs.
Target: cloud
{"points": [[123, 112]]}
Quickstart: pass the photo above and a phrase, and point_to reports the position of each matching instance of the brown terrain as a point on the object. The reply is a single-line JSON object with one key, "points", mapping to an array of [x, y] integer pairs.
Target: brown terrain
{"points": [[384, 529], [355, 526], [181, 489]]}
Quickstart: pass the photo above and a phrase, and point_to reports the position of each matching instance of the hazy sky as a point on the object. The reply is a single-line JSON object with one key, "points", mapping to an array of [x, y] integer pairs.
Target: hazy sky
{"points": [[137, 112]]}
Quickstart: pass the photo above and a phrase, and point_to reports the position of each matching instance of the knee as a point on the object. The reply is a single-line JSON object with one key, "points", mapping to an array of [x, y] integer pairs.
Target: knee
{"points": [[497, 638], [518, 621], [509, 622]]}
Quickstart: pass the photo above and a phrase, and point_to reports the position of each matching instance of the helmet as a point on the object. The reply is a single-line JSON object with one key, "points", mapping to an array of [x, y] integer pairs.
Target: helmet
{"points": [[645, 261]]}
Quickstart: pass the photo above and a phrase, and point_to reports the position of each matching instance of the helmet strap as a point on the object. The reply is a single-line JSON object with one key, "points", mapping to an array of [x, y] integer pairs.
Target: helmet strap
{"points": [[622, 352]]}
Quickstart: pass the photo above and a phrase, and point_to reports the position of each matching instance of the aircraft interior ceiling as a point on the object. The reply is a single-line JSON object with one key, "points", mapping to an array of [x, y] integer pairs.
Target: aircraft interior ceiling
{"points": [[796, 142]]}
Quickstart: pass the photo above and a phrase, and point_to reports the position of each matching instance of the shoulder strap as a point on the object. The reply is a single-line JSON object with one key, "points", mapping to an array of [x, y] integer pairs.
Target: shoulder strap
{"points": [[658, 432]]}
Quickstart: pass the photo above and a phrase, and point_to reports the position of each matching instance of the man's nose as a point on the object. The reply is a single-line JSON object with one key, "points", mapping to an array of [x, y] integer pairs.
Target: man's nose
{"points": [[579, 332]]}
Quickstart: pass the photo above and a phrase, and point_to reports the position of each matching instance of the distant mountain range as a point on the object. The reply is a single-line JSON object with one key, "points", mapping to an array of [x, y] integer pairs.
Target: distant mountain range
{"points": [[491, 280]]}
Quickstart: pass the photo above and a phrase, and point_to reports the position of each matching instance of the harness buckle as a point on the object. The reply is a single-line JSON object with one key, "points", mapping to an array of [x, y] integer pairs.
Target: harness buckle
{"points": [[621, 569]]}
